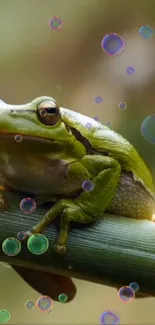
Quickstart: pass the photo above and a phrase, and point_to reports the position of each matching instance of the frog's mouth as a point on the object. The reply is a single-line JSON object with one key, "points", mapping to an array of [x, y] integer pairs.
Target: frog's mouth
{"points": [[4, 135]]}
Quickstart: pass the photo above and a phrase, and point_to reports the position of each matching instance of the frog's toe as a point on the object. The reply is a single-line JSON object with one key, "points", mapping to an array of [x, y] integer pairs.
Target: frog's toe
{"points": [[29, 233], [60, 249]]}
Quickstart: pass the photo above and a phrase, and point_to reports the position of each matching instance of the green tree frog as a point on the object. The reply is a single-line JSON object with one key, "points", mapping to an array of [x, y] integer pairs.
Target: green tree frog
{"points": [[58, 152]]}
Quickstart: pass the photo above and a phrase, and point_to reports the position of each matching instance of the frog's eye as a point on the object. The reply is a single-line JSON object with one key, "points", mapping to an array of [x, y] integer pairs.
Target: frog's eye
{"points": [[48, 112]]}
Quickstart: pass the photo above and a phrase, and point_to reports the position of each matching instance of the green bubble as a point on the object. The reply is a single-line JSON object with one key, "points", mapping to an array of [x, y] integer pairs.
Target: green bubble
{"points": [[148, 129], [4, 316], [62, 297], [11, 246], [37, 244]]}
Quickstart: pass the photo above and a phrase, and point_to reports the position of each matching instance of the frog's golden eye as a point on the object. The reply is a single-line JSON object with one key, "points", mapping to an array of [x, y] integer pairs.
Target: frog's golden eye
{"points": [[48, 112]]}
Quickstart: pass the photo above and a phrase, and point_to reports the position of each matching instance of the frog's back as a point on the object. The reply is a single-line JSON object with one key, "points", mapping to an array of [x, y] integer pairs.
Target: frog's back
{"points": [[104, 139]]}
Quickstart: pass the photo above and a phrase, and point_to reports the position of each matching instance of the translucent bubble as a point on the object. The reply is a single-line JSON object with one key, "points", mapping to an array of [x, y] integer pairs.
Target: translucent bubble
{"points": [[88, 186], [11, 246], [44, 303], [109, 317], [96, 118], [146, 31], [126, 294], [122, 106], [21, 235], [67, 94], [18, 138], [89, 125], [4, 316], [43, 112], [59, 87], [148, 129], [134, 286], [98, 100], [63, 298], [27, 205], [130, 70], [30, 304], [113, 44], [55, 23], [70, 267], [37, 244], [108, 123]]}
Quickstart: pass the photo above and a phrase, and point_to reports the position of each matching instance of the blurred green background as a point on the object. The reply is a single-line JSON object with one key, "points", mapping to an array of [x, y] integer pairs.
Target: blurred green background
{"points": [[34, 61]]}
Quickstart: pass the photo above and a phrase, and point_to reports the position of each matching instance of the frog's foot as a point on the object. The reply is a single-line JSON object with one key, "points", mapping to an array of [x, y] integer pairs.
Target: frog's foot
{"points": [[59, 249], [28, 233]]}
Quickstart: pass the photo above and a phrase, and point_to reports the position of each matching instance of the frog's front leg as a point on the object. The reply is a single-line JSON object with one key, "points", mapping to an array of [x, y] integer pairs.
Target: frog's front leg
{"points": [[88, 206]]}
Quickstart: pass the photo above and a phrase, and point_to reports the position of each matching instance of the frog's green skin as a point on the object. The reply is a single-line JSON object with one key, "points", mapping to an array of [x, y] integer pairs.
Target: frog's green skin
{"points": [[53, 161]]}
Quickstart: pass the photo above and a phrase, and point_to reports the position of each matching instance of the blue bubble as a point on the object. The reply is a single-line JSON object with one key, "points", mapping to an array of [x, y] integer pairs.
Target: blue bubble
{"points": [[98, 100], [88, 186], [148, 129], [109, 317], [126, 294], [122, 106], [130, 70], [88, 125], [134, 286], [146, 31], [113, 44]]}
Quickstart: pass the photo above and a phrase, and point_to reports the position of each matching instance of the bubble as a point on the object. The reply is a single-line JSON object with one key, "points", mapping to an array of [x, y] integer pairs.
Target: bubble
{"points": [[4, 316], [44, 303], [59, 87], [67, 94], [27, 205], [30, 304], [89, 125], [96, 118], [88, 186], [18, 138], [11, 246], [126, 294], [37, 244], [109, 317], [130, 70], [43, 112], [21, 235], [55, 23], [70, 267], [134, 286], [122, 106], [146, 31], [148, 129], [62, 298], [108, 123], [98, 100], [113, 44]]}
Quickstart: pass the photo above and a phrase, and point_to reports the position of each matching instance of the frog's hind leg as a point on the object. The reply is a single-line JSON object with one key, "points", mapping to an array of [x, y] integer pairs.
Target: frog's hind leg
{"points": [[89, 205]]}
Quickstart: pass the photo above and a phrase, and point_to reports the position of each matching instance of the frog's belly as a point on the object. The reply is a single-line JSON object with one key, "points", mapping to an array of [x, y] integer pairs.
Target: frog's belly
{"points": [[132, 199], [40, 180]]}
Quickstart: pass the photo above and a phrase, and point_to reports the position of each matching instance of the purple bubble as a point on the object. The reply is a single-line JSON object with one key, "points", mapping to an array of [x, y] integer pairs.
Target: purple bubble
{"points": [[130, 70], [113, 44], [109, 317]]}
